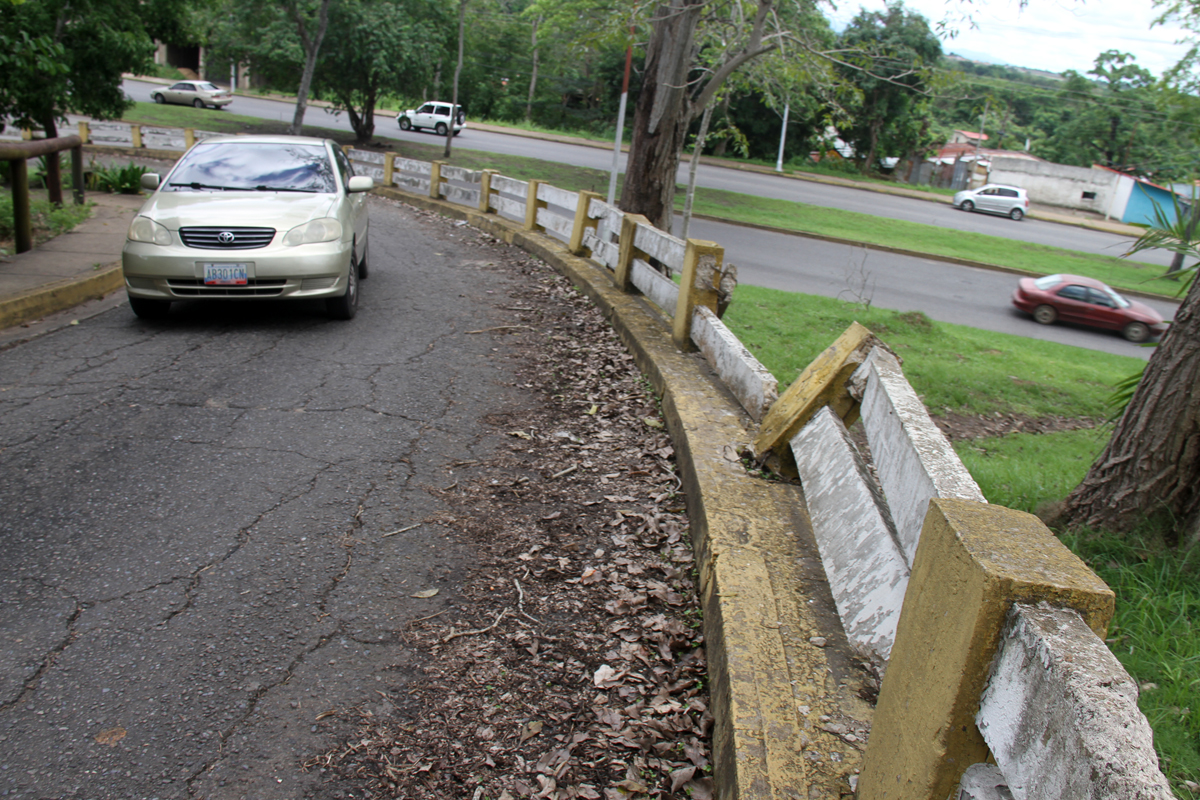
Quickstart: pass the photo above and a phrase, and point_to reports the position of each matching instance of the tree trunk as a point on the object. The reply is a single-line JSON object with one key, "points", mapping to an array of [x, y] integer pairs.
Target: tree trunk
{"points": [[532, 72], [312, 45], [462, 25], [661, 117], [1151, 466], [697, 151], [53, 165]]}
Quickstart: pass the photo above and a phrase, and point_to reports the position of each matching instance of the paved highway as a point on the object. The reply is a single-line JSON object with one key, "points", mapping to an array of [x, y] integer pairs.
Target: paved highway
{"points": [[945, 292], [848, 199]]}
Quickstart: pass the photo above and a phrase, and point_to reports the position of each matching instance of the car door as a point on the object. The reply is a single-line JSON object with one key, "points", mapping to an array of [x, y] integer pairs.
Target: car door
{"points": [[1073, 303], [179, 92], [1103, 312], [441, 114], [988, 200], [357, 200], [424, 116]]}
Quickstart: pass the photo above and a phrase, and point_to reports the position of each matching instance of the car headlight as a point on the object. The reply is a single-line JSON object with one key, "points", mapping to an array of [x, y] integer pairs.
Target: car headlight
{"points": [[144, 229], [326, 229]]}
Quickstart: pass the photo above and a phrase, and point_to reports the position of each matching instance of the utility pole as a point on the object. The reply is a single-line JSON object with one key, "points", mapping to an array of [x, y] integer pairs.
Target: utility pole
{"points": [[616, 162]]}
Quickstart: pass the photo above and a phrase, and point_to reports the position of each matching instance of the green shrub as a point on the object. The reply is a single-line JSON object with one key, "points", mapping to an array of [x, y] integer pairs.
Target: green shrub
{"points": [[117, 180]]}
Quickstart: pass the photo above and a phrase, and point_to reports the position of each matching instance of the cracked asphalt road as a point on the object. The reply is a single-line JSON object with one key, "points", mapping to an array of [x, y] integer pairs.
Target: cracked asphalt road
{"points": [[193, 522]]}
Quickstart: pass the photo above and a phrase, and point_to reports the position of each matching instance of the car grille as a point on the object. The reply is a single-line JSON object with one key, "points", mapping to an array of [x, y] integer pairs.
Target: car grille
{"points": [[194, 287], [231, 238]]}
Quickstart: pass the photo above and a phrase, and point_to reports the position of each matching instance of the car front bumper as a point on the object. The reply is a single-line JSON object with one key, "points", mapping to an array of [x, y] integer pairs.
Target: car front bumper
{"points": [[175, 272]]}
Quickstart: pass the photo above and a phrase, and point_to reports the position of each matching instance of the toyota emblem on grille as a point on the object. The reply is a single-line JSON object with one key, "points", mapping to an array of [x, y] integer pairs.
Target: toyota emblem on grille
{"points": [[226, 237]]}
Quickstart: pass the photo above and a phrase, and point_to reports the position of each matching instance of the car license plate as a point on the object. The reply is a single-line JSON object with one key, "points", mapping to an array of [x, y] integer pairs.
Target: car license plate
{"points": [[225, 275]]}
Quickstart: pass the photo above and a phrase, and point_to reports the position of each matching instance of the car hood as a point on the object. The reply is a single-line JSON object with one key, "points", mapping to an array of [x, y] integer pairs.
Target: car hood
{"points": [[279, 210], [1144, 312]]}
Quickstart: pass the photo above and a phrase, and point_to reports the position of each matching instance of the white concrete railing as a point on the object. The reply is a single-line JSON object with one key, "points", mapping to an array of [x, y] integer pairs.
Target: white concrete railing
{"points": [[1048, 680]]}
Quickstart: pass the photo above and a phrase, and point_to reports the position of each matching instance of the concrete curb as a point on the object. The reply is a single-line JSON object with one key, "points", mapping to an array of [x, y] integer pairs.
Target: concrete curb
{"points": [[785, 684], [60, 296]]}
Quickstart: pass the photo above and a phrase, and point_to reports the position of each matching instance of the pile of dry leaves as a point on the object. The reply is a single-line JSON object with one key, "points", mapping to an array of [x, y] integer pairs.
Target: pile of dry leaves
{"points": [[573, 666]]}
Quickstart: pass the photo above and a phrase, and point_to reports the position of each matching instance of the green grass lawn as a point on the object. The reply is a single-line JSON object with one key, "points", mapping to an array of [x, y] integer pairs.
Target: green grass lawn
{"points": [[959, 370]]}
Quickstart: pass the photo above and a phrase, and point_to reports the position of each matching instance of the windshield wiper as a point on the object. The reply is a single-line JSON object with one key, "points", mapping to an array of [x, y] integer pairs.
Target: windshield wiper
{"points": [[197, 186], [264, 188]]}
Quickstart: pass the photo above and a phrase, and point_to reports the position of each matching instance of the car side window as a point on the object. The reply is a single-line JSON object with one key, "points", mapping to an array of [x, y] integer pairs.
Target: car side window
{"points": [[988, 192], [1008, 193], [1074, 292], [1101, 299], [442, 111], [181, 87], [425, 109]]}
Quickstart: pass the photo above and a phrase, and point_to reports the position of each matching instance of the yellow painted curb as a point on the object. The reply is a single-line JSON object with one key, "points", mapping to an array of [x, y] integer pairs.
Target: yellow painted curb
{"points": [[60, 296]]}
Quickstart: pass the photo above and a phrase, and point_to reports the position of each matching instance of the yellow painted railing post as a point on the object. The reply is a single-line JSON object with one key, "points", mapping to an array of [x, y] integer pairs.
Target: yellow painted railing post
{"points": [[974, 561], [435, 180], [532, 204], [582, 223], [699, 257], [485, 190], [389, 168], [26, 134], [136, 130], [627, 251], [84, 131]]}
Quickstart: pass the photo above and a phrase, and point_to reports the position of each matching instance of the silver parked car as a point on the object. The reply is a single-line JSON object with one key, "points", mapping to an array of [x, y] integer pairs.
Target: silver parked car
{"points": [[194, 93], [433, 115], [251, 217], [994, 198]]}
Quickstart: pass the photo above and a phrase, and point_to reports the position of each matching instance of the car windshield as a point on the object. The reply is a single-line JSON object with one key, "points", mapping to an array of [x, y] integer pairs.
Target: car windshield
{"points": [[254, 167], [1118, 299]]}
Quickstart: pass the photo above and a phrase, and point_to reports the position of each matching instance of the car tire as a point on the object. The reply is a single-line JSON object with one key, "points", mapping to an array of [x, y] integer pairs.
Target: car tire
{"points": [[363, 268], [346, 306], [158, 98], [405, 123], [1047, 315], [967, 206], [1136, 332], [149, 309], [1016, 214], [441, 129], [198, 103]]}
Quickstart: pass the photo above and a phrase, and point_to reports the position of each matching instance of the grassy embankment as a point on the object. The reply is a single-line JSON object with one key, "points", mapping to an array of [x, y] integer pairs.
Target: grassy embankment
{"points": [[957, 370]]}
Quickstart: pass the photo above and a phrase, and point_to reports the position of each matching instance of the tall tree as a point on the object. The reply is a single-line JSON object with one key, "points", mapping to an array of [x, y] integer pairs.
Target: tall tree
{"points": [[311, 23], [890, 56]]}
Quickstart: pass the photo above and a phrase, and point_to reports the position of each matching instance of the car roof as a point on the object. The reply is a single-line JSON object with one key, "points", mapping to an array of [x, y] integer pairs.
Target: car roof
{"points": [[265, 139], [1082, 281]]}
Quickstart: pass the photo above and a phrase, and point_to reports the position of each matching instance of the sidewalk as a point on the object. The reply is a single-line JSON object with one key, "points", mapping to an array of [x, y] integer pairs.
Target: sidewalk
{"points": [[69, 269]]}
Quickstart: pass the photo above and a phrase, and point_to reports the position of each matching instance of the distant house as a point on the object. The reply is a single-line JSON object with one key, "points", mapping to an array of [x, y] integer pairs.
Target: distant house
{"points": [[967, 137]]}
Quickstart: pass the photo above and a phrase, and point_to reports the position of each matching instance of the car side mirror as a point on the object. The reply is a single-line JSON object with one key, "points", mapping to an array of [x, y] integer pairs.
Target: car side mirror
{"points": [[360, 183], [150, 180]]}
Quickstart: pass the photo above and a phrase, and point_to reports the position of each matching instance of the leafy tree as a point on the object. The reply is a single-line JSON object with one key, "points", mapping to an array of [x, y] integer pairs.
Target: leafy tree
{"points": [[889, 61], [376, 48]]}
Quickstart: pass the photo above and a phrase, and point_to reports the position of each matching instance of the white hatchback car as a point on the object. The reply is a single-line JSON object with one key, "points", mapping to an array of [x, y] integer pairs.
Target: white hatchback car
{"points": [[433, 115], [994, 198], [251, 217]]}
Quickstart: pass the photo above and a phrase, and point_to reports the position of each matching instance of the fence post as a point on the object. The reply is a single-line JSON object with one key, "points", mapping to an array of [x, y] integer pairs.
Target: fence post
{"points": [[627, 251], [85, 132], [22, 218], [435, 179], [77, 174], [136, 131], [582, 223], [973, 562], [485, 190], [699, 257], [189, 138], [532, 204], [389, 168]]}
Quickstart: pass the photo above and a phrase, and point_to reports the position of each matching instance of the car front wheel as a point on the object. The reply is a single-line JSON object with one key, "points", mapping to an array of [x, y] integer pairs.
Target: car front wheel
{"points": [[1045, 314], [158, 98], [346, 306], [405, 124], [198, 103], [1016, 214], [441, 129], [968, 205], [1136, 332]]}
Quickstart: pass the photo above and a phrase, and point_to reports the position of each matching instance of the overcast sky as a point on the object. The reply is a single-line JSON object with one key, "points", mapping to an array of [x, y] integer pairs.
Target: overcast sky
{"points": [[1054, 35]]}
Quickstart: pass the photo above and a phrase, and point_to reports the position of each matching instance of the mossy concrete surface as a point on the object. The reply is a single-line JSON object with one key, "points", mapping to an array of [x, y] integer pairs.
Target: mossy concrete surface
{"points": [[785, 686]]}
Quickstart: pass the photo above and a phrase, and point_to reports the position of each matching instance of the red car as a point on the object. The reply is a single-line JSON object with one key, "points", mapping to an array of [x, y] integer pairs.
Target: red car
{"points": [[1086, 301]]}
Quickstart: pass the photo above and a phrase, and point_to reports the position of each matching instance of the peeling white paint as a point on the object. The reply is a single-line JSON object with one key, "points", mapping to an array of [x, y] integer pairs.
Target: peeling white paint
{"points": [[1060, 714], [749, 381], [864, 564], [913, 459], [658, 287]]}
